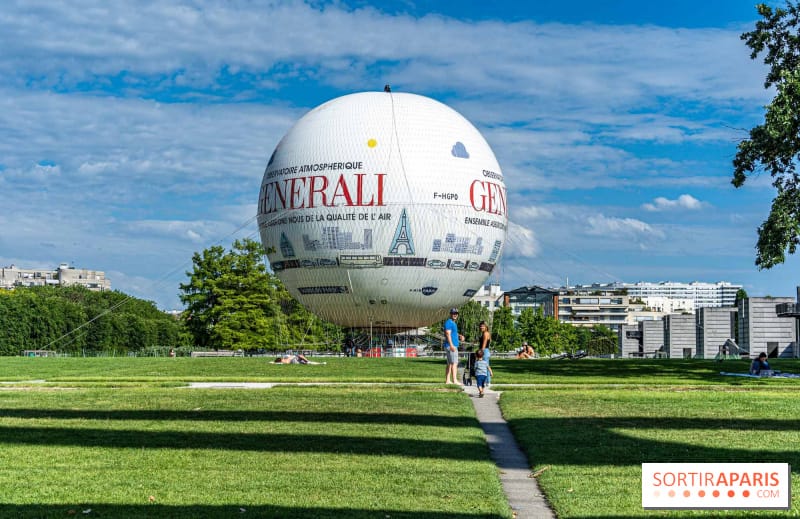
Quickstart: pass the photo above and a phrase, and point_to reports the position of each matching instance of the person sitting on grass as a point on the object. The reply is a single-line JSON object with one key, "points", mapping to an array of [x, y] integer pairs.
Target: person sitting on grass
{"points": [[760, 364], [294, 359], [526, 352]]}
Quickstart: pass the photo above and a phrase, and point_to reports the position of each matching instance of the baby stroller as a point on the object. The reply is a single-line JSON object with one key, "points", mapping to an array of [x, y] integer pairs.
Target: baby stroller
{"points": [[469, 369]]}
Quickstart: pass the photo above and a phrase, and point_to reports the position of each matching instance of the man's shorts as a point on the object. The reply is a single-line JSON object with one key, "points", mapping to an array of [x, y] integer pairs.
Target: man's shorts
{"points": [[452, 356]]}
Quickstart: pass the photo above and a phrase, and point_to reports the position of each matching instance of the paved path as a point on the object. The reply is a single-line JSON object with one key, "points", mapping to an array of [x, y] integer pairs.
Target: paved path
{"points": [[521, 489]]}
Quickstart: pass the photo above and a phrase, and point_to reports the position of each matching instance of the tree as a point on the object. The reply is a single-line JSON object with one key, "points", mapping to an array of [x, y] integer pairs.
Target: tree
{"points": [[469, 316], [741, 295], [233, 301], [545, 333], [583, 338], [527, 324], [602, 341], [565, 338], [230, 297], [774, 146], [504, 334], [77, 320]]}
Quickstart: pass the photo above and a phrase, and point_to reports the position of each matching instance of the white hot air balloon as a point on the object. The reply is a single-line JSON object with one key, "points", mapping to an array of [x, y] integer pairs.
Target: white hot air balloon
{"points": [[383, 210]]}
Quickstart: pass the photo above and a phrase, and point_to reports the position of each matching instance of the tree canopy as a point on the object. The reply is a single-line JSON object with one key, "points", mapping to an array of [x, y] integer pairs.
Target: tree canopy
{"points": [[234, 302], [774, 145], [505, 336], [77, 320]]}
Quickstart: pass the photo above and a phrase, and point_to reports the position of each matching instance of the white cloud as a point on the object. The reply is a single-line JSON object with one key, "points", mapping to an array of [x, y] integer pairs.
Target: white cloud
{"points": [[159, 119], [195, 232], [520, 242], [189, 44], [533, 212], [601, 225], [682, 202]]}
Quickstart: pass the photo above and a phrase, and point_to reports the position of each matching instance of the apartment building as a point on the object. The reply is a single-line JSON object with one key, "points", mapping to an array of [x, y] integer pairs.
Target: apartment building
{"points": [[667, 305], [532, 297], [489, 296], [593, 305], [702, 295], [11, 277]]}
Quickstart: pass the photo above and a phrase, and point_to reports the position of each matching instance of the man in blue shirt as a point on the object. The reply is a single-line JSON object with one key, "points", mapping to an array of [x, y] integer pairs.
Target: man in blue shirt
{"points": [[452, 340]]}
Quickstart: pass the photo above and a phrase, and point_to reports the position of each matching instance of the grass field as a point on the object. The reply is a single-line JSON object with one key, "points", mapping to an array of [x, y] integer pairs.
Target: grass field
{"points": [[105, 434], [284, 452], [77, 371], [590, 444]]}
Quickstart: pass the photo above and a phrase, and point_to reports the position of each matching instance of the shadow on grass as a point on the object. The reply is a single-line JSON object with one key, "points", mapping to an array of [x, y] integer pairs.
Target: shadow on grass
{"points": [[636, 370], [206, 511], [240, 416], [599, 441], [248, 441]]}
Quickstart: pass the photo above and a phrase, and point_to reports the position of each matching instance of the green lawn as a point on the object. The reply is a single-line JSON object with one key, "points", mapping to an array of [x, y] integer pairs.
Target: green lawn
{"points": [[176, 371], [107, 433], [590, 443], [283, 452], [166, 371], [647, 372]]}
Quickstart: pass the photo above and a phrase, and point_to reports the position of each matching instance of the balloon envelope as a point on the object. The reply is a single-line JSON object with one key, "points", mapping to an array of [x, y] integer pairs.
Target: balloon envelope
{"points": [[383, 210]]}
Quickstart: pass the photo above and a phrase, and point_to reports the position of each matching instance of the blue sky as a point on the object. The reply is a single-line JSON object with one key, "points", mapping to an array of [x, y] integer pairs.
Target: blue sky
{"points": [[133, 134]]}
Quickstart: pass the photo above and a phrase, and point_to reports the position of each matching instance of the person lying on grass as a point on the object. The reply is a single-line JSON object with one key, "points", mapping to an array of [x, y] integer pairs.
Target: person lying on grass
{"points": [[295, 359]]}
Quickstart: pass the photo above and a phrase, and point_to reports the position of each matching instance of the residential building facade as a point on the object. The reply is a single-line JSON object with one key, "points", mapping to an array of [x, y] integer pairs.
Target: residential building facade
{"points": [[11, 277], [667, 305], [701, 294], [489, 296], [532, 297], [593, 305]]}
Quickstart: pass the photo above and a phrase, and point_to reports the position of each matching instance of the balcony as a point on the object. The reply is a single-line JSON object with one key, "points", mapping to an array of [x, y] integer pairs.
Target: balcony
{"points": [[788, 310]]}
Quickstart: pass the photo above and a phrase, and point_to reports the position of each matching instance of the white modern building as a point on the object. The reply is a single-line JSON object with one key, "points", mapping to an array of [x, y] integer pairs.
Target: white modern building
{"points": [[702, 295], [11, 277], [489, 296], [668, 305]]}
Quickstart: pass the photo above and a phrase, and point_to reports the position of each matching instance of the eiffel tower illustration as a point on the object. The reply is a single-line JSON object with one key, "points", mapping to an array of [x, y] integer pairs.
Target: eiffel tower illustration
{"points": [[402, 237]]}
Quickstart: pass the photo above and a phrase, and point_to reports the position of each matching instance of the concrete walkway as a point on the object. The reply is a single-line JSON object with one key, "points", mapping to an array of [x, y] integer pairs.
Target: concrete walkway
{"points": [[521, 489]]}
